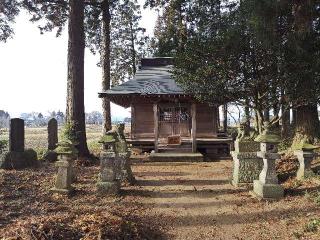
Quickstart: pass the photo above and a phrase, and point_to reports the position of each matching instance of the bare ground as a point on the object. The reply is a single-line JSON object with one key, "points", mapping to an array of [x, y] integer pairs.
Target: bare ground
{"points": [[170, 201], [196, 201]]}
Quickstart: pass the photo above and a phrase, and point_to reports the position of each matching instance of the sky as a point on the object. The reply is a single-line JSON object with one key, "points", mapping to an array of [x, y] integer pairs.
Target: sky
{"points": [[33, 71]]}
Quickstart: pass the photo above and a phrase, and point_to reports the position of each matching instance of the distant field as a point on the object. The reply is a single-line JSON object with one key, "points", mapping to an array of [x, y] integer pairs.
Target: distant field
{"points": [[37, 138]]}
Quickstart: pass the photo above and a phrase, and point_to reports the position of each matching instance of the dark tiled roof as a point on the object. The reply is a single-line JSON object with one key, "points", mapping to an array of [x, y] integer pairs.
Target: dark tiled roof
{"points": [[149, 80]]}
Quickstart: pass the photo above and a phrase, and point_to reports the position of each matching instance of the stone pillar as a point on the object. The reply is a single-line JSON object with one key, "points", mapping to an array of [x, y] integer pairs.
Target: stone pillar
{"points": [[108, 183], [305, 158], [52, 134], [64, 177], [267, 187], [124, 169], [16, 139]]}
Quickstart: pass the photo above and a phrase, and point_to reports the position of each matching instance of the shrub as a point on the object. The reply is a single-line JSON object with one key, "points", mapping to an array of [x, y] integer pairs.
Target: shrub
{"points": [[69, 132]]}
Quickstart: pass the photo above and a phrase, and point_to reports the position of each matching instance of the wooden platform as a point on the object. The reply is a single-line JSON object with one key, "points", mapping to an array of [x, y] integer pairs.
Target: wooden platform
{"points": [[176, 157], [214, 148]]}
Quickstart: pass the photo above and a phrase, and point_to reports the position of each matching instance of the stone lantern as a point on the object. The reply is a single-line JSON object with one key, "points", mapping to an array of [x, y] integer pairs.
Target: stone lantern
{"points": [[305, 154], [108, 183], [67, 153], [267, 186]]}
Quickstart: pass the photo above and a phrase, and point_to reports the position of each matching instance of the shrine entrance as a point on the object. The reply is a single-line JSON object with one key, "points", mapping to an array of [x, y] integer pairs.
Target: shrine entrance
{"points": [[174, 120]]}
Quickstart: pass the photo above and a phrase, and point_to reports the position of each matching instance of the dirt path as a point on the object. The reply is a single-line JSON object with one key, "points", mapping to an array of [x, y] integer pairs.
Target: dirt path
{"points": [[196, 201]]}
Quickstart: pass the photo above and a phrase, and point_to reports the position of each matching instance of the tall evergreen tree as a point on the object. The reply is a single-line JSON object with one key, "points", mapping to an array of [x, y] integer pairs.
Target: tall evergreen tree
{"points": [[9, 9]]}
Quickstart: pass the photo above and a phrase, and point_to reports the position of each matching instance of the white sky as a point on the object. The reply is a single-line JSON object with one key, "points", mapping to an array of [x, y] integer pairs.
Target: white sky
{"points": [[33, 71]]}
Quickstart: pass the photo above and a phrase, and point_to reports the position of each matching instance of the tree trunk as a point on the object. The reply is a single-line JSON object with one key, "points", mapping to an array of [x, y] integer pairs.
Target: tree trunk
{"points": [[307, 121], [133, 51], [285, 122], [225, 118], [75, 87], [105, 64], [294, 117], [259, 120], [307, 125], [247, 118]]}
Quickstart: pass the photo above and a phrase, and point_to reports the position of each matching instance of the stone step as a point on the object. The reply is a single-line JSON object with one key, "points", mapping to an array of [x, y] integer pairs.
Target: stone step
{"points": [[176, 157]]}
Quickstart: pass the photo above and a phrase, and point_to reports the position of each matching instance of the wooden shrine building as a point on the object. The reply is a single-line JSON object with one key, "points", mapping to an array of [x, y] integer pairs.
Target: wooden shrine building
{"points": [[163, 117]]}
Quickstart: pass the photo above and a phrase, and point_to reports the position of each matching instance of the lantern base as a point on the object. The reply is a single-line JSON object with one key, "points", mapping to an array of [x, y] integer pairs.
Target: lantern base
{"points": [[267, 191], [63, 191], [108, 188]]}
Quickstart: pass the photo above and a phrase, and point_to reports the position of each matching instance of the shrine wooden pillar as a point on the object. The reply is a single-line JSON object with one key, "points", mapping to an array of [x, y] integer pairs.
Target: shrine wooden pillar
{"points": [[194, 127], [156, 126], [133, 121]]}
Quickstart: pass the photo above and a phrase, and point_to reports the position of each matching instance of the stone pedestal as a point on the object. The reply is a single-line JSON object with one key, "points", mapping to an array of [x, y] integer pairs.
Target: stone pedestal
{"points": [[70, 159], [64, 178], [108, 183], [246, 164], [305, 158], [267, 186], [246, 167]]}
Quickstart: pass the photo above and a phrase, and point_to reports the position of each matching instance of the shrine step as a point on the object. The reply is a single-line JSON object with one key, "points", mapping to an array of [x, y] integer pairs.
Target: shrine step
{"points": [[175, 150], [176, 157]]}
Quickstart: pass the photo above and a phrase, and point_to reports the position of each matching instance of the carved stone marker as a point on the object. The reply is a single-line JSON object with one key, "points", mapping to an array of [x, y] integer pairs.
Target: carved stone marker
{"points": [[246, 164], [16, 139], [246, 167], [52, 134], [267, 187]]}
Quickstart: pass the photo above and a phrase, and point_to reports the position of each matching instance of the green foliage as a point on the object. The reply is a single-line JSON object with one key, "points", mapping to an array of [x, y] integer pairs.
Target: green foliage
{"points": [[253, 51], [94, 147], [312, 225], [3, 145], [107, 139], [8, 12], [69, 132]]}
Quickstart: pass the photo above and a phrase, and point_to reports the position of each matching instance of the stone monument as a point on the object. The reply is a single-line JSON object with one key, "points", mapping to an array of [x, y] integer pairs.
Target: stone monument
{"points": [[17, 157], [50, 155], [246, 164], [52, 134], [268, 187]]}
